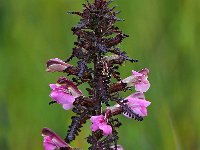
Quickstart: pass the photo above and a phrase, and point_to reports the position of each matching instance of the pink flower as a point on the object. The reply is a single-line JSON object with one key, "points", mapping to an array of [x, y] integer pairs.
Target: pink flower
{"points": [[56, 64], [64, 93], [139, 80], [119, 147], [138, 104], [52, 141], [99, 122]]}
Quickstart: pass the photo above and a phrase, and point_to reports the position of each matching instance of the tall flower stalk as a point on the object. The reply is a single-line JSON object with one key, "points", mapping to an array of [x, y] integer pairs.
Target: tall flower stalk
{"points": [[99, 58]]}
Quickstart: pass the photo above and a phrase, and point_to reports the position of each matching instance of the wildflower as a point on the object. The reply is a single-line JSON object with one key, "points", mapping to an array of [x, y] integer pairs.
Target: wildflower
{"points": [[138, 104], [99, 122], [64, 93], [56, 64], [52, 141], [139, 80], [98, 58]]}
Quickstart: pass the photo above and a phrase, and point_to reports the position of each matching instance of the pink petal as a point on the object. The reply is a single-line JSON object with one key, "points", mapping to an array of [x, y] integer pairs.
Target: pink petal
{"points": [[53, 86], [138, 105], [138, 111], [141, 87], [107, 129], [48, 146], [94, 127], [144, 111], [61, 97], [98, 122], [139, 95], [146, 103], [139, 80], [68, 106], [135, 73], [68, 99], [135, 102], [95, 119]]}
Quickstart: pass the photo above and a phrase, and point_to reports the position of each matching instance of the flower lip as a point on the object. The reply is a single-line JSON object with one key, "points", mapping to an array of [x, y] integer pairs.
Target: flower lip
{"points": [[64, 92], [138, 104], [99, 122], [56, 64]]}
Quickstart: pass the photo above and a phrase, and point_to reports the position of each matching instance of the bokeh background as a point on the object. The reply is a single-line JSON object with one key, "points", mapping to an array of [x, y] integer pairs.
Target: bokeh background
{"points": [[164, 36]]}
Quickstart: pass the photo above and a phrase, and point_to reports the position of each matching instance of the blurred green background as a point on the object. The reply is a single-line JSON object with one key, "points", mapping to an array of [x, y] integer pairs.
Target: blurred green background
{"points": [[164, 36]]}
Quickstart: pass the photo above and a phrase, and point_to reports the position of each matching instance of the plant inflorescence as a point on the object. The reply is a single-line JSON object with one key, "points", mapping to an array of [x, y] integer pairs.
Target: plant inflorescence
{"points": [[99, 58]]}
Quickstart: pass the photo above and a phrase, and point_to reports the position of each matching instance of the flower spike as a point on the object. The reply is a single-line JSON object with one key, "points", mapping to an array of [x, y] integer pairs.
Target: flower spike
{"points": [[98, 60]]}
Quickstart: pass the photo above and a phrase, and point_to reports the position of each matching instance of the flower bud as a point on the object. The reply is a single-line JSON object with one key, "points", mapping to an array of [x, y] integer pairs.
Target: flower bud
{"points": [[52, 140], [56, 64]]}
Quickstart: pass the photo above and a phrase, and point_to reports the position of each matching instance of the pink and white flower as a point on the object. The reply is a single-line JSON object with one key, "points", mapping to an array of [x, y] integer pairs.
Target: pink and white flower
{"points": [[138, 104], [139, 80], [99, 122], [56, 64], [64, 93], [52, 141]]}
